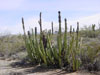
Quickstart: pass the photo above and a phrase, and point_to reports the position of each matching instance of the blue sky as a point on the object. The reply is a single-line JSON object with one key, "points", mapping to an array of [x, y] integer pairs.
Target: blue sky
{"points": [[11, 12]]}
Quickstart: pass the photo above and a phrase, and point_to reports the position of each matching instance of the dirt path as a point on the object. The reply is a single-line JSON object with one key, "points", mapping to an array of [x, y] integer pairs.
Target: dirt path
{"points": [[6, 69]]}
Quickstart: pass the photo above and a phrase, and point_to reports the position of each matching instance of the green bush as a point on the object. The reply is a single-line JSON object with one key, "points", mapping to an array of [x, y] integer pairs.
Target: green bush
{"points": [[89, 32], [90, 54]]}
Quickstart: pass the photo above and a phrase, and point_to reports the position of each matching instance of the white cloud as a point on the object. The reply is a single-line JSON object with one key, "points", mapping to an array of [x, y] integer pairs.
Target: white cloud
{"points": [[88, 20], [33, 22]]}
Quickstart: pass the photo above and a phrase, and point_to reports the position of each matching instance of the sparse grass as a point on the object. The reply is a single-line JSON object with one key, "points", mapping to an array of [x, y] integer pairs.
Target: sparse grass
{"points": [[10, 44], [90, 55], [89, 32]]}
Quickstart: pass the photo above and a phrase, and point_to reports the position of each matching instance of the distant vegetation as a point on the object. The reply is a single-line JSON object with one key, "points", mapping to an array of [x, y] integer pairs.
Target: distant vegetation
{"points": [[11, 44]]}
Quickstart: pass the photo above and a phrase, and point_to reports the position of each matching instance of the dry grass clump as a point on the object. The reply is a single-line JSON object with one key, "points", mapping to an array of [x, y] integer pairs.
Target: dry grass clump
{"points": [[10, 44]]}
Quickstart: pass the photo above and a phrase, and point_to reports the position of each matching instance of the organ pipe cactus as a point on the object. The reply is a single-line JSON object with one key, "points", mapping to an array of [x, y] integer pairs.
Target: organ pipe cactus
{"points": [[41, 50], [70, 29], [59, 39]]}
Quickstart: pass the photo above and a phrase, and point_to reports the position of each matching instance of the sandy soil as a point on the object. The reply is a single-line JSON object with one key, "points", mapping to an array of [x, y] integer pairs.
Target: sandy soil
{"points": [[6, 69]]}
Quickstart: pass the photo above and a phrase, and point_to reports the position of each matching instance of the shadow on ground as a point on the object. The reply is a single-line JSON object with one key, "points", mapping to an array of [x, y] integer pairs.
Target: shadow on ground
{"points": [[35, 68]]}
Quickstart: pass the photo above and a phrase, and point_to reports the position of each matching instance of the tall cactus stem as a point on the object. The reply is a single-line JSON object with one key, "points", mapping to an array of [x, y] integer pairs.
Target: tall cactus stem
{"points": [[77, 31], [70, 30], [52, 27], [40, 22], [23, 26], [35, 31], [59, 20]]}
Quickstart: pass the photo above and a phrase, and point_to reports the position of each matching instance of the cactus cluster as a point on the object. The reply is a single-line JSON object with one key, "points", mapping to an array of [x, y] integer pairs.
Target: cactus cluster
{"points": [[41, 49]]}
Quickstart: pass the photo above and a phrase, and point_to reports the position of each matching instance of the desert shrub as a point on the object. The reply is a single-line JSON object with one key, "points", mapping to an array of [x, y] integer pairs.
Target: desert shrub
{"points": [[90, 55], [89, 32], [10, 44]]}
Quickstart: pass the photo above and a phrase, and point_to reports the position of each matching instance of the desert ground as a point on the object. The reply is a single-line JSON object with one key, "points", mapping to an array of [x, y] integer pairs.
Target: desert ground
{"points": [[7, 69]]}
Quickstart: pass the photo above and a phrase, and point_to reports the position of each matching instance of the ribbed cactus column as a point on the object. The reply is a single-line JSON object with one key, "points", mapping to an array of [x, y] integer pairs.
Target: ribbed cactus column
{"points": [[77, 62], [77, 31], [59, 37], [26, 40], [65, 35], [23, 26], [59, 33], [70, 29], [35, 31], [65, 51], [65, 25], [40, 23], [59, 20]]}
